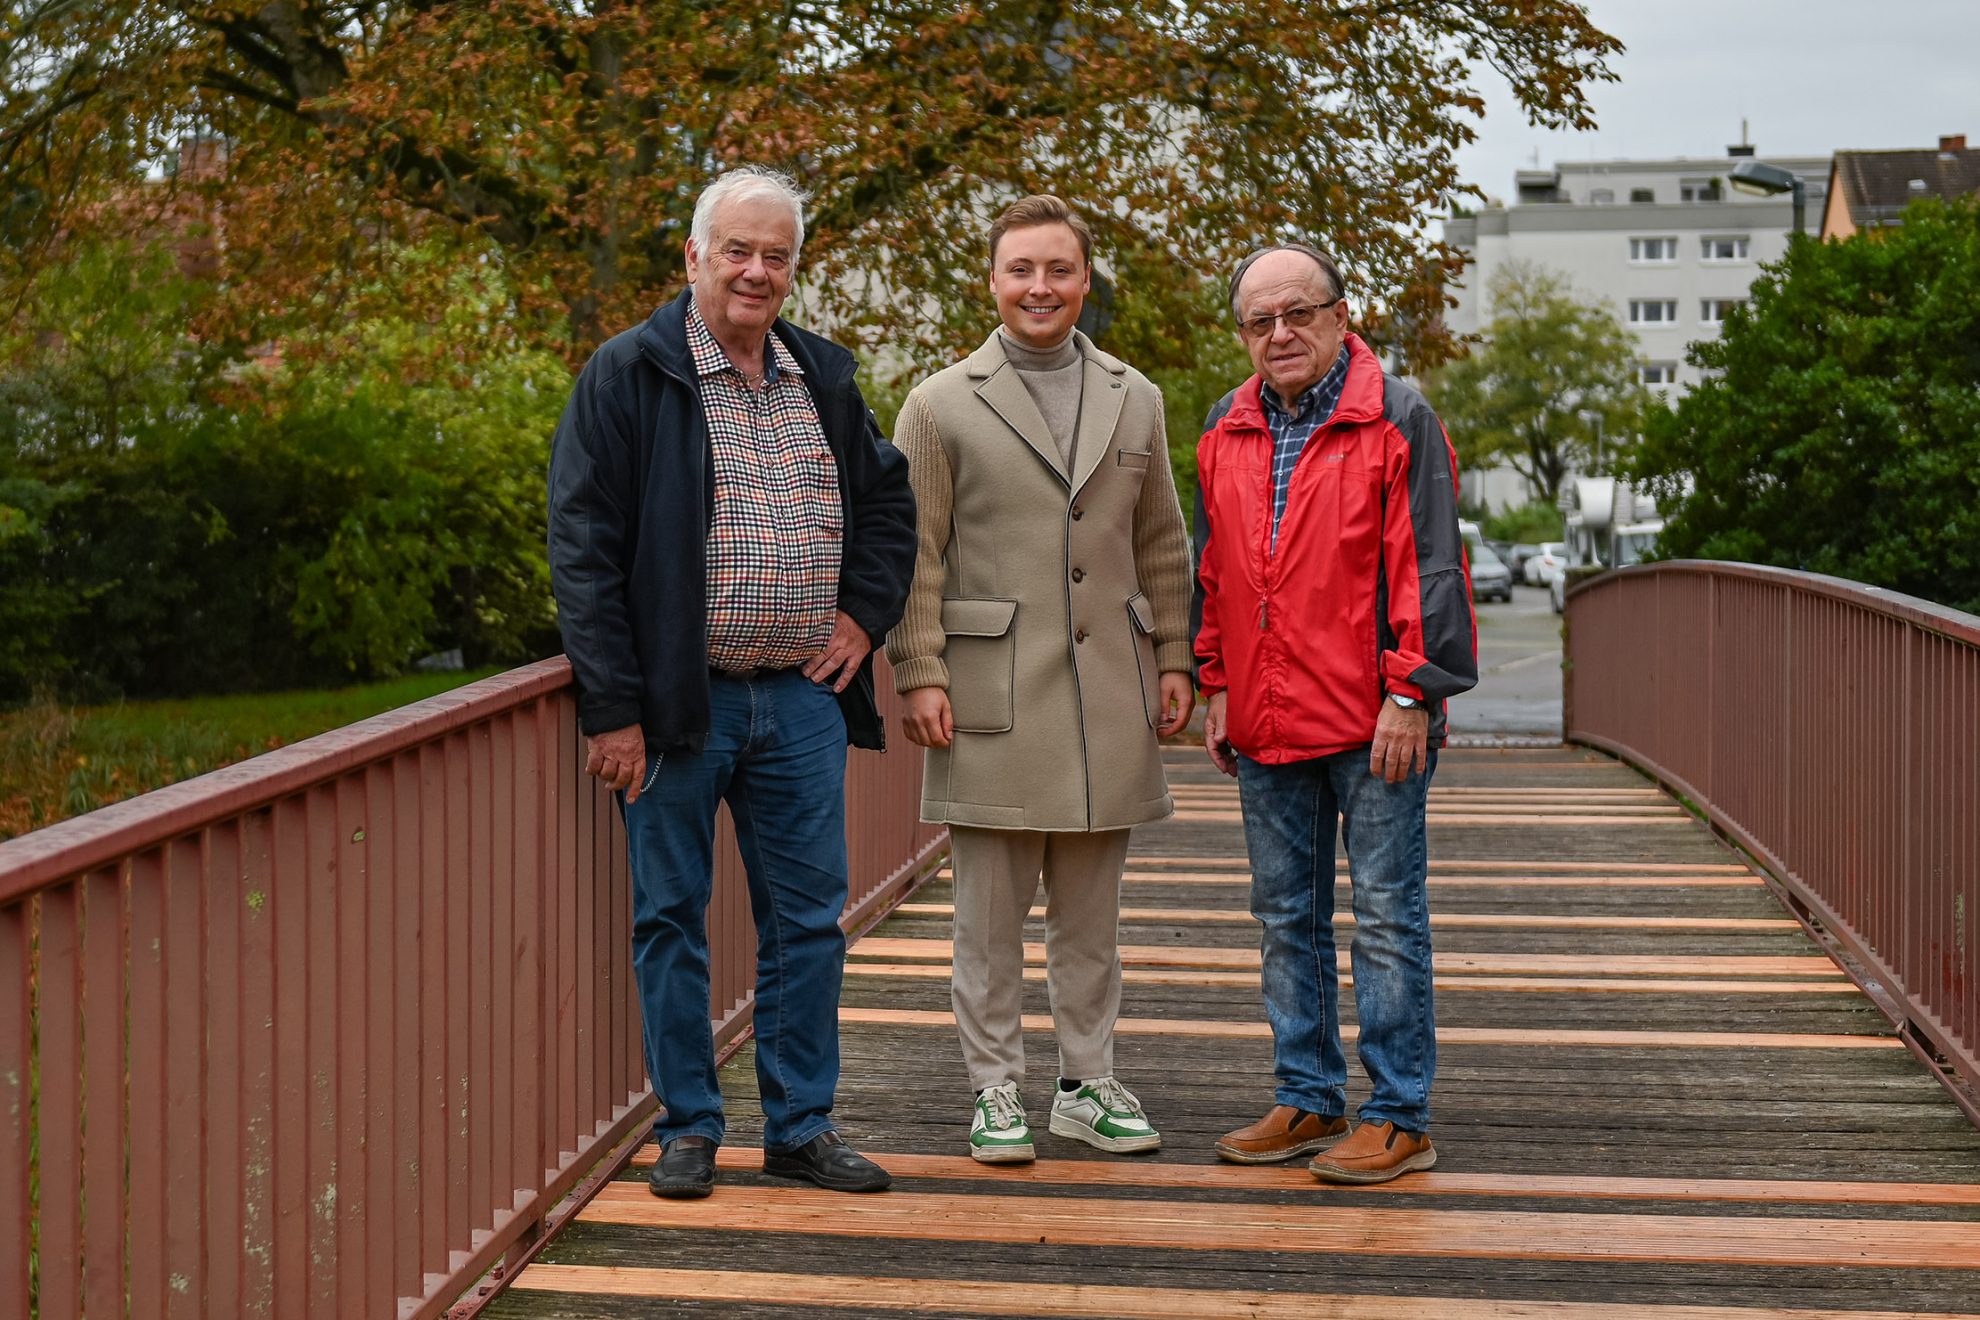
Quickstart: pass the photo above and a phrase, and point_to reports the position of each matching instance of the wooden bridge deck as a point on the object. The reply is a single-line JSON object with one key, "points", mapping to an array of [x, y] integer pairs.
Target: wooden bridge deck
{"points": [[1656, 1098]]}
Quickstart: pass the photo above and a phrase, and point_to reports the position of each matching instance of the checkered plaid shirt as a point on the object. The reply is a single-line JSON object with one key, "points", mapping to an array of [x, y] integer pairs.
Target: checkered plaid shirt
{"points": [[773, 551], [1291, 430]]}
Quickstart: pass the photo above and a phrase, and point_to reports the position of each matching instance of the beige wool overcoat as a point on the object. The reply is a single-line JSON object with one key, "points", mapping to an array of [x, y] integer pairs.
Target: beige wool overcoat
{"points": [[1048, 602]]}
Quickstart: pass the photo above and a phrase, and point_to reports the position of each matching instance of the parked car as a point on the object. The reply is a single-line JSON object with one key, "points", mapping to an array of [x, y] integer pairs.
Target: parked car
{"points": [[1549, 559], [1490, 578], [1516, 560], [1557, 590]]}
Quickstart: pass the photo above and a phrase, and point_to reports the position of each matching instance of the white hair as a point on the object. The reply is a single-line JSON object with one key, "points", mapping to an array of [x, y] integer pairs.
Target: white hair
{"points": [[745, 183]]}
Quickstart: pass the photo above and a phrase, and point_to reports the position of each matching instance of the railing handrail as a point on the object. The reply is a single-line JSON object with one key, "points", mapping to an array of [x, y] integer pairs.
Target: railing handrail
{"points": [[56, 852], [1955, 625]]}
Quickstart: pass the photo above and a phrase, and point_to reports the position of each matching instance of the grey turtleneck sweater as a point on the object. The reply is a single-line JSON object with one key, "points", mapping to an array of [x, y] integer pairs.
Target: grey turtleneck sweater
{"points": [[1055, 378]]}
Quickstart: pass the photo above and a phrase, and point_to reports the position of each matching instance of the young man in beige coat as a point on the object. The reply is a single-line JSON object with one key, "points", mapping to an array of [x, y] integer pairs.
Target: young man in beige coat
{"points": [[1045, 644]]}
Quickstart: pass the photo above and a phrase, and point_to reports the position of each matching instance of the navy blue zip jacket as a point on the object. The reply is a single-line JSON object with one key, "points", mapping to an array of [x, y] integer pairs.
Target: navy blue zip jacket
{"points": [[631, 501]]}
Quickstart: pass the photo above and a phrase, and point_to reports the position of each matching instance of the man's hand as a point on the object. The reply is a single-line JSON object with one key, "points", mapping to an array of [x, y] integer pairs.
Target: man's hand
{"points": [[1216, 735], [835, 666], [1402, 742], [1178, 700], [618, 758], [928, 722]]}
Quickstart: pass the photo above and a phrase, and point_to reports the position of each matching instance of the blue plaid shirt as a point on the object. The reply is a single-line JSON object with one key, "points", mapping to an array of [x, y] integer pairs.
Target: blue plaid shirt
{"points": [[1291, 430]]}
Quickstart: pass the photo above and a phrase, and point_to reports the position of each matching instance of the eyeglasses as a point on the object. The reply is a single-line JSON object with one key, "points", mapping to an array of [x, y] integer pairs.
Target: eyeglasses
{"points": [[1296, 318]]}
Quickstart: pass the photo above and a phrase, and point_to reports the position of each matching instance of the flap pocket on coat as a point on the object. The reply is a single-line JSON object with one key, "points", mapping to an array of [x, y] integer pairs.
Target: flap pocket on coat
{"points": [[977, 618], [1133, 457], [981, 654], [1141, 633]]}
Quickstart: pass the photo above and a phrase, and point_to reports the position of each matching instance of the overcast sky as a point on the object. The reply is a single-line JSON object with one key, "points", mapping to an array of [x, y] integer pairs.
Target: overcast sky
{"points": [[1811, 77]]}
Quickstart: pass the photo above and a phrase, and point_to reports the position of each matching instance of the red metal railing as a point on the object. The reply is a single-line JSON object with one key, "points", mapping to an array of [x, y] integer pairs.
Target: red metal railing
{"points": [[331, 1032], [1832, 730]]}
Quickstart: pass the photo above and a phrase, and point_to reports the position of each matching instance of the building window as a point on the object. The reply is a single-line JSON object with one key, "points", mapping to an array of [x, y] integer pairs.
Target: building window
{"points": [[1641, 195], [1653, 311], [1657, 373], [1653, 249], [1698, 190], [1713, 311], [1731, 248], [1602, 197]]}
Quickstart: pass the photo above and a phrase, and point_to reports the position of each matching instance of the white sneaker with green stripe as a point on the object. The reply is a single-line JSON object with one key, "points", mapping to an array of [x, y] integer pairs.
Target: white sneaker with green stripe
{"points": [[999, 1134], [1104, 1114]]}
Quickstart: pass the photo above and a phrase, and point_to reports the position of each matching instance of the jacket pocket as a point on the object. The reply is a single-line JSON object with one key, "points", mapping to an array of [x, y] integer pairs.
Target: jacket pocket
{"points": [[1137, 458], [1141, 632], [981, 653]]}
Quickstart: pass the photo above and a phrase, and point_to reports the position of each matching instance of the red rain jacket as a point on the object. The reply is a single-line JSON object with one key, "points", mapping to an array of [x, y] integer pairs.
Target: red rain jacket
{"points": [[1368, 591]]}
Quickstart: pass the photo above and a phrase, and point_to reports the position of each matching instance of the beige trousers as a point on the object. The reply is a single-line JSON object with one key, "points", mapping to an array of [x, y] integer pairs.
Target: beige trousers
{"points": [[997, 873]]}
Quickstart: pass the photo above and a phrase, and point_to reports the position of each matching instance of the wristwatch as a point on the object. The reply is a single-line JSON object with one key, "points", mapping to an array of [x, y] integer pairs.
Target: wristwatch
{"points": [[1407, 703]]}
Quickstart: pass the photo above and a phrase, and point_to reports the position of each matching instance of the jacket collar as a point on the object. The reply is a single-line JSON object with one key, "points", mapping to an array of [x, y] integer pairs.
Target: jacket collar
{"points": [[1361, 396], [986, 361], [1099, 412], [663, 338]]}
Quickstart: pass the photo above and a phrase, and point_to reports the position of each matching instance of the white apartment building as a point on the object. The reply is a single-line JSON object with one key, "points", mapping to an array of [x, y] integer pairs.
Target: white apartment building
{"points": [[1669, 244]]}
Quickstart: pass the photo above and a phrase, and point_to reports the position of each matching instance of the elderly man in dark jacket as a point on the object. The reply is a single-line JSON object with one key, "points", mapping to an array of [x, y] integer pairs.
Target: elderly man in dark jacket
{"points": [[729, 538]]}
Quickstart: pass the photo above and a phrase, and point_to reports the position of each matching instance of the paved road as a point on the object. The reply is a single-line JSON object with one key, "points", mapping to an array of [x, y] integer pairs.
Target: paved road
{"points": [[1519, 679]]}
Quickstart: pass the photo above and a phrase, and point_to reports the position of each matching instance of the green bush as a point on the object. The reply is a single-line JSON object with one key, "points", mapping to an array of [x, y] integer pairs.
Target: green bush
{"points": [[206, 523]]}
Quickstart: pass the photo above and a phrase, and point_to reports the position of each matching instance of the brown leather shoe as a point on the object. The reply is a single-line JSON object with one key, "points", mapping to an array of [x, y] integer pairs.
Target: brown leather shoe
{"points": [[1375, 1153], [1280, 1135]]}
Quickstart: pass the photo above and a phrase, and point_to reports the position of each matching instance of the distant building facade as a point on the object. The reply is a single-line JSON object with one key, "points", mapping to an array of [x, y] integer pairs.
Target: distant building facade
{"points": [[1669, 244], [1870, 189]]}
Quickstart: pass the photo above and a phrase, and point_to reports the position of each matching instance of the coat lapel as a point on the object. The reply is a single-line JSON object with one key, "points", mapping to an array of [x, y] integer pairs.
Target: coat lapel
{"points": [[1103, 392], [1010, 400]]}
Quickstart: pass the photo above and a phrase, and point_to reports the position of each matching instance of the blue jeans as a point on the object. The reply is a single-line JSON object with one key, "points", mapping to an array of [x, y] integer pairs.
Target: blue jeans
{"points": [[776, 754], [1289, 813]]}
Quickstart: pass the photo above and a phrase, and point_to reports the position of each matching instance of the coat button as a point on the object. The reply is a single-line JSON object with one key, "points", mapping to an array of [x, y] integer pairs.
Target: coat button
{"points": [[1079, 575], [1078, 513], [1080, 636]]}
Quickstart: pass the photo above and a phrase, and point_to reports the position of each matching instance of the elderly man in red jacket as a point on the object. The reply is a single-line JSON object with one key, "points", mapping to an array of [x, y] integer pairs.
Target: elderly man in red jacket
{"points": [[1334, 610]]}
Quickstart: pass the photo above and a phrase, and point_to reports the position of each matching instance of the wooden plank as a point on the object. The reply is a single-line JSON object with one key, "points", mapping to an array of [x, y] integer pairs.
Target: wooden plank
{"points": [[1310, 1228], [1151, 1176], [1746, 1040], [1061, 1301], [1453, 920], [894, 947], [1558, 817], [1441, 864], [1208, 792], [1477, 881], [1544, 984]]}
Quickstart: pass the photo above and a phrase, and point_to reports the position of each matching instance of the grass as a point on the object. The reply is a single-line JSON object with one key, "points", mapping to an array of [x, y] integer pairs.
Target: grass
{"points": [[61, 761]]}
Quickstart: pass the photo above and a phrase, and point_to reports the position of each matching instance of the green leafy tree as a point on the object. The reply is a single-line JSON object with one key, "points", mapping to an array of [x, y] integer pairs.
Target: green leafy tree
{"points": [[100, 352], [1554, 380], [568, 140], [1838, 427]]}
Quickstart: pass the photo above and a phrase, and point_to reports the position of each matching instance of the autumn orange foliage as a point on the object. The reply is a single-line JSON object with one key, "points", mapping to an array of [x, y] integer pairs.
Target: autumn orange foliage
{"points": [[567, 143]]}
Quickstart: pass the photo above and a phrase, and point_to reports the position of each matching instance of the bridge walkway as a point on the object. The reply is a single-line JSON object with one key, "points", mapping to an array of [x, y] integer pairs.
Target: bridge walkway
{"points": [[1657, 1098]]}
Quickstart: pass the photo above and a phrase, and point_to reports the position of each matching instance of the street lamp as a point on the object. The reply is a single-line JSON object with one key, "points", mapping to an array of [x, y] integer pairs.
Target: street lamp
{"points": [[1761, 180], [1594, 420]]}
